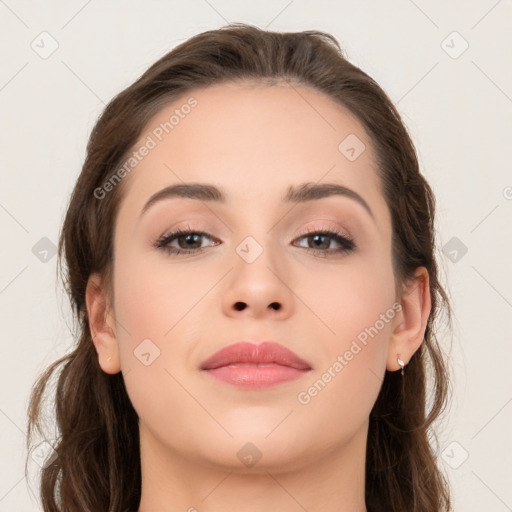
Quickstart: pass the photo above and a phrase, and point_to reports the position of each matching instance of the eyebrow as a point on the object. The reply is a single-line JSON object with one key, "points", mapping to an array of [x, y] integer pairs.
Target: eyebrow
{"points": [[299, 194]]}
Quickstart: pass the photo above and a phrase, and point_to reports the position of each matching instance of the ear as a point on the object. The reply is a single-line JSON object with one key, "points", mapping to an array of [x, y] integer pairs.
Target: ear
{"points": [[411, 321], [103, 335]]}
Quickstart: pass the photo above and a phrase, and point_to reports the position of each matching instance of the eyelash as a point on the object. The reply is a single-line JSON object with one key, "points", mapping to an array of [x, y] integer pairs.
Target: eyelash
{"points": [[347, 244]]}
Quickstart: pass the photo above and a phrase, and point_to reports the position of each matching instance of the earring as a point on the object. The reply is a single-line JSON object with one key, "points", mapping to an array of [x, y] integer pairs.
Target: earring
{"points": [[109, 358], [401, 363]]}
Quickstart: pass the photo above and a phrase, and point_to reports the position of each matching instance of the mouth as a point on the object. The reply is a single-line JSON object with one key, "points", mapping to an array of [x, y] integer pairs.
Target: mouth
{"points": [[253, 366]]}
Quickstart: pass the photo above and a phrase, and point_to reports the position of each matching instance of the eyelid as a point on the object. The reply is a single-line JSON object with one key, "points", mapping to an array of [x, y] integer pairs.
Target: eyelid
{"points": [[324, 228]]}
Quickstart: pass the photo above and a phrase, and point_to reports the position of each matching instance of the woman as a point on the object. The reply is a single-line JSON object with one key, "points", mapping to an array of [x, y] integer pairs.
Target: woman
{"points": [[250, 259]]}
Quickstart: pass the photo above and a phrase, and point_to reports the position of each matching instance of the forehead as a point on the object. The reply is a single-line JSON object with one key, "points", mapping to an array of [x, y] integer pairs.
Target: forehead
{"points": [[253, 141]]}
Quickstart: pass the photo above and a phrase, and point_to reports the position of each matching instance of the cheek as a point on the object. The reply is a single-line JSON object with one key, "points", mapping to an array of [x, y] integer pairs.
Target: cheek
{"points": [[154, 305], [342, 301], [152, 298], [353, 321], [349, 375]]}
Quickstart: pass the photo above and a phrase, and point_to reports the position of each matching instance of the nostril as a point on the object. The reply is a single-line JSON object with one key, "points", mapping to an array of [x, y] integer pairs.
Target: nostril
{"points": [[239, 306]]}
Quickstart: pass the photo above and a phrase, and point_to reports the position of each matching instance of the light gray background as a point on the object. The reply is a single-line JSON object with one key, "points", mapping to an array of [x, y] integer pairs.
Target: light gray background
{"points": [[458, 111]]}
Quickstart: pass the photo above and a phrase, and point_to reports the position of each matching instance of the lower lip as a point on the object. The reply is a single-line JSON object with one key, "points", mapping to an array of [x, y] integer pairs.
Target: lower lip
{"points": [[254, 376]]}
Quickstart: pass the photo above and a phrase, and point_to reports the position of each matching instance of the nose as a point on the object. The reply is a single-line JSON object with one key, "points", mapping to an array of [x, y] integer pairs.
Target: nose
{"points": [[258, 289]]}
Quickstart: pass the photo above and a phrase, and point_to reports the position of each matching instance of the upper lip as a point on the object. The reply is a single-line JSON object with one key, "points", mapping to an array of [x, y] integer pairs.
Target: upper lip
{"points": [[245, 352]]}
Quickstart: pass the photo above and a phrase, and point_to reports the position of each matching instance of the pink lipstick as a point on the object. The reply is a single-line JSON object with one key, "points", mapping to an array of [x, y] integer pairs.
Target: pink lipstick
{"points": [[254, 366]]}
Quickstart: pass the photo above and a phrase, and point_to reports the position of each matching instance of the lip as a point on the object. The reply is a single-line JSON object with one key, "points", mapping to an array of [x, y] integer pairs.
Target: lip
{"points": [[250, 365]]}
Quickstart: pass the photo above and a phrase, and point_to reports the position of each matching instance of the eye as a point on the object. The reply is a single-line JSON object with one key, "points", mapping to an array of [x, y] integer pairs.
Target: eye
{"points": [[321, 240], [188, 241]]}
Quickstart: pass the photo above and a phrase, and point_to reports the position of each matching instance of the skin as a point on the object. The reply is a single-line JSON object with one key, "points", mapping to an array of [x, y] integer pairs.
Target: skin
{"points": [[254, 141]]}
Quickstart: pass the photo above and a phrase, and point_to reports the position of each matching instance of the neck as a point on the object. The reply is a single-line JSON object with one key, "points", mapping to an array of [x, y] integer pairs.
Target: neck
{"points": [[333, 481]]}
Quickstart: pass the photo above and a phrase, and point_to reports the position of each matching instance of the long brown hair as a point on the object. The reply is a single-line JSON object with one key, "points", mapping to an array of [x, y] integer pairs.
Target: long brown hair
{"points": [[96, 463]]}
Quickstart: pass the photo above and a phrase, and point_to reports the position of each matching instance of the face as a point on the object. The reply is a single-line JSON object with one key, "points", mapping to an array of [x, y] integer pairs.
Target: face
{"points": [[253, 271]]}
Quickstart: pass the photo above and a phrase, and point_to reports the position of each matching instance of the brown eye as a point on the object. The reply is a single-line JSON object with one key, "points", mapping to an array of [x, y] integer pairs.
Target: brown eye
{"points": [[320, 241], [189, 241]]}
